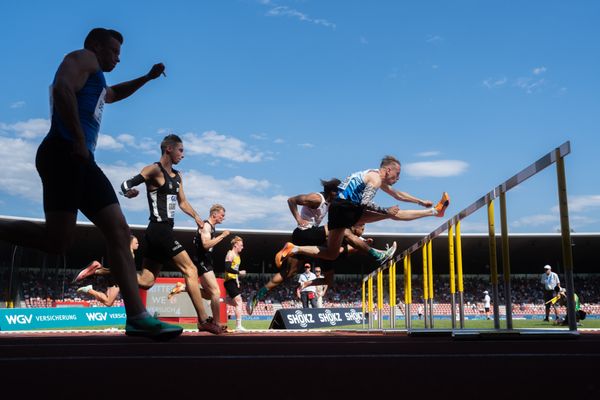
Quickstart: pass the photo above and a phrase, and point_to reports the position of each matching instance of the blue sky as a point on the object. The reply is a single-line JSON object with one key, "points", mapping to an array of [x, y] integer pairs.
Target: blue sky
{"points": [[271, 96]]}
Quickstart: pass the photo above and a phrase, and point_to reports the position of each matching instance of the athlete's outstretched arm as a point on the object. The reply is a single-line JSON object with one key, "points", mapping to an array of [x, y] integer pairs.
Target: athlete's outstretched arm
{"points": [[148, 173], [123, 90], [404, 196]]}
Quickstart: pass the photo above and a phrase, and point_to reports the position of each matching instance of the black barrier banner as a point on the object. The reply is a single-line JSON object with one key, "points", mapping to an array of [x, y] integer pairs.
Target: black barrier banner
{"points": [[307, 318]]}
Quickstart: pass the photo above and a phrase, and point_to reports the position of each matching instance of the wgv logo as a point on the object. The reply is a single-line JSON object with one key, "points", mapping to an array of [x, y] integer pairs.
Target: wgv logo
{"points": [[19, 319], [96, 316]]}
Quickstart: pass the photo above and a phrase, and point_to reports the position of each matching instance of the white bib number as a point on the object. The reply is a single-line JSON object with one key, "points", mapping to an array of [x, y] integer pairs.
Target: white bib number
{"points": [[171, 203]]}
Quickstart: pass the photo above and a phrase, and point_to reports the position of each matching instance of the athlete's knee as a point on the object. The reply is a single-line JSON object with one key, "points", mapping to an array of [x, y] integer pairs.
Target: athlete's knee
{"points": [[190, 271]]}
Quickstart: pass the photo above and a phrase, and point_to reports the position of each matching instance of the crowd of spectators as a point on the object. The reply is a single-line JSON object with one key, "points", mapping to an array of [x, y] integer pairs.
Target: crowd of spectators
{"points": [[53, 287]]}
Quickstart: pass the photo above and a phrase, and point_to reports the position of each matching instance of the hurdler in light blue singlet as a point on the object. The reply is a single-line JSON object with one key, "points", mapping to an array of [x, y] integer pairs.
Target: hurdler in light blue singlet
{"points": [[90, 104]]}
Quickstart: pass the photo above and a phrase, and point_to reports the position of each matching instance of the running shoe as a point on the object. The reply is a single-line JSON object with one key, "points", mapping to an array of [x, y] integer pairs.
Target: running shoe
{"points": [[152, 328], [87, 271], [283, 254], [251, 304], [210, 326], [441, 206], [386, 254], [84, 289], [178, 288], [240, 329]]}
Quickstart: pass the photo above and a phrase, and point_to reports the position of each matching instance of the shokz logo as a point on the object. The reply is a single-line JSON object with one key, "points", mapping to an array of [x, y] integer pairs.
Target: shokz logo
{"points": [[330, 317], [299, 318], [354, 316]]}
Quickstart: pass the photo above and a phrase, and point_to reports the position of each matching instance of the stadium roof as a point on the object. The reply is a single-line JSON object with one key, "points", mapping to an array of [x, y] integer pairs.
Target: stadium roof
{"points": [[528, 252]]}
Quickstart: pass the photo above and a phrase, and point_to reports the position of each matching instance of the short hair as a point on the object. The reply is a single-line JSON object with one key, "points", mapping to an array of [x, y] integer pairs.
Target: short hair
{"points": [[169, 140], [330, 185], [388, 160], [101, 36], [216, 208], [235, 240]]}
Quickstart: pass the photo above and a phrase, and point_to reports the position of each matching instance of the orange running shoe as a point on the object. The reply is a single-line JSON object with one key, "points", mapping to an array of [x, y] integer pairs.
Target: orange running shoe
{"points": [[178, 288], [442, 205], [283, 253], [87, 271]]}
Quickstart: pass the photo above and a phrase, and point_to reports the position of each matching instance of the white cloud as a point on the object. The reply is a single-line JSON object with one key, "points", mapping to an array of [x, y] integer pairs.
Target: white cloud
{"points": [[278, 141], [581, 203], [18, 104], [217, 145], [306, 145], [259, 136], [535, 220], [434, 39], [126, 139], [30, 129], [17, 163], [530, 85], [539, 70], [437, 169], [493, 83], [283, 11], [107, 142], [429, 153]]}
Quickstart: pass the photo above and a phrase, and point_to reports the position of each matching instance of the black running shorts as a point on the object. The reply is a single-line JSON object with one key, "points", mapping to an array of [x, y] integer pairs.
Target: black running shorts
{"points": [[69, 184], [231, 287], [161, 245], [344, 214], [314, 236]]}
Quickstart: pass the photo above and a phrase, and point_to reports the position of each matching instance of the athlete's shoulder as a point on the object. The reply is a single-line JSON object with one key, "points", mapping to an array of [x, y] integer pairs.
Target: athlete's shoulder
{"points": [[84, 59]]}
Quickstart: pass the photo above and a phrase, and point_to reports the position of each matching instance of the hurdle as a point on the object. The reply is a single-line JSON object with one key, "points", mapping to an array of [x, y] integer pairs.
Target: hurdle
{"points": [[452, 227]]}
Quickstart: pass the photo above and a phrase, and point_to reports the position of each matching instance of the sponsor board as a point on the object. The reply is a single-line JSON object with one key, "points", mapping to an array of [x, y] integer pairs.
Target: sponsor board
{"points": [[308, 318], [21, 319]]}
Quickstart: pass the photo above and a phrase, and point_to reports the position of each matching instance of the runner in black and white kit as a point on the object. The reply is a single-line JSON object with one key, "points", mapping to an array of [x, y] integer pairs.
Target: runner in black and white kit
{"points": [[164, 187]]}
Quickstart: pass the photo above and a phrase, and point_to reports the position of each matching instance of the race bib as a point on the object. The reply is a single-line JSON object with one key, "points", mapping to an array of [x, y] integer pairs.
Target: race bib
{"points": [[171, 203], [100, 107]]}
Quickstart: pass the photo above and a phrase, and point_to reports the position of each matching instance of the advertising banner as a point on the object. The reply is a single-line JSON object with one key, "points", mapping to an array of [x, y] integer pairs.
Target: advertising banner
{"points": [[22, 319], [308, 318]]}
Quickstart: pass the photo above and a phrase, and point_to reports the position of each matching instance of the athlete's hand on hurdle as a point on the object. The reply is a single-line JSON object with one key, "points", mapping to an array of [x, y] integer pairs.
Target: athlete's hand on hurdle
{"points": [[156, 71], [131, 193]]}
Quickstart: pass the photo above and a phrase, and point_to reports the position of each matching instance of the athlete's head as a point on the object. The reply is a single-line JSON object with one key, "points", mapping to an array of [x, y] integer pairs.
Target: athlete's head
{"points": [[358, 229], [217, 213], [172, 145], [390, 166], [330, 187], [237, 244], [133, 243], [106, 44]]}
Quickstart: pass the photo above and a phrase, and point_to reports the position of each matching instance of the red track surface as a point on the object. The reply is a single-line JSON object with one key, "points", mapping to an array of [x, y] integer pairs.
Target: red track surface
{"points": [[286, 365]]}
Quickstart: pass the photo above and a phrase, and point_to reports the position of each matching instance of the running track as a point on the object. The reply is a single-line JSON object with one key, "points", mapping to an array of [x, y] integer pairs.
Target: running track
{"points": [[297, 365]]}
